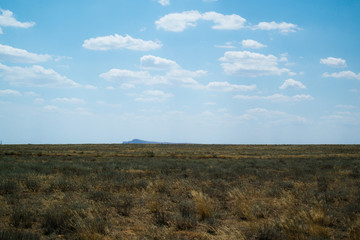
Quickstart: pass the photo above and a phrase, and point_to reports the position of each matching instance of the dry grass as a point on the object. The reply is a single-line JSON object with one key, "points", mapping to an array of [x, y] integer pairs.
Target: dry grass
{"points": [[179, 192]]}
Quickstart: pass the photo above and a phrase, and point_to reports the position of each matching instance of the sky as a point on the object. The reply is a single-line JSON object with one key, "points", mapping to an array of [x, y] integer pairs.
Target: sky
{"points": [[182, 71]]}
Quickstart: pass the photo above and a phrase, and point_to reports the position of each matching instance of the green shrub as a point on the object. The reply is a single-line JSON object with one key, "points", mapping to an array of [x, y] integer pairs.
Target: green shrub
{"points": [[57, 219], [123, 205], [9, 187], [18, 235], [33, 184], [22, 217]]}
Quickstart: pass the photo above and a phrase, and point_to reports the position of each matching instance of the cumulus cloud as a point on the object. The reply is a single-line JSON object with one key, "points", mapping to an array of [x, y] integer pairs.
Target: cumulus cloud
{"points": [[224, 22], [291, 83], [153, 95], [9, 92], [333, 62], [250, 64], [119, 42], [277, 98], [123, 74], [35, 76], [174, 73], [228, 87], [226, 45], [283, 27], [157, 63], [343, 74], [69, 100], [249, 43], [7, 19], [178, 22], [344, 117], [275, 117], [11, 54], [164, 2]]}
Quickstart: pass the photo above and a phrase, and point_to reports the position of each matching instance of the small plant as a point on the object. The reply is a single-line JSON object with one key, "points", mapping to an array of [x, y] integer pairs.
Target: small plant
{"points": [[161, 218], [9, 187], [102, 196], [23, 217], [123, 205], [241, 206], [57, 219], [150, 154], [187, 218], [18, 235], [203, 205], [32, 184]]}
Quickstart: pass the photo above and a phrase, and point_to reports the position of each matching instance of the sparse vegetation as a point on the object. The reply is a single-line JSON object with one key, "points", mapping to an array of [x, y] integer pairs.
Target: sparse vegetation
{"points": [[179, 192]]}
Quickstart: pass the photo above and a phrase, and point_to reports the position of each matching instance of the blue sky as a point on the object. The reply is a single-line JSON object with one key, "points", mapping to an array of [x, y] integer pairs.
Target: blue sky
{"points": [[195, 71]]}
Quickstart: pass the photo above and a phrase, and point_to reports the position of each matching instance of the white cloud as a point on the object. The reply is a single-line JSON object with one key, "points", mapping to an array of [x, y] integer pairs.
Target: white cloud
{"points": [[89, 87], [224, 22], [35, 76], [110, 88], [245, 63], [153, 95], [333, 62], [125, 75], [157, 63], [249, 43], [174, 73], [184, 76], [226, 45], [118, 42], [283, 27], [11, 54], [347, 118], [277, 98], [346, 106], [69, 100], [275, 117], [178, 22], [127, 86], [228, 87], [291, 83], [51, 108], [31, 94], [7, 20], [343, 74], [39, 101], [9, 92], [164, 2]]}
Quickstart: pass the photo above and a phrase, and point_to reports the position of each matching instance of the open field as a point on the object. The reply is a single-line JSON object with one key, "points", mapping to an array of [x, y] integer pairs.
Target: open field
{"points": [[179, 192]]}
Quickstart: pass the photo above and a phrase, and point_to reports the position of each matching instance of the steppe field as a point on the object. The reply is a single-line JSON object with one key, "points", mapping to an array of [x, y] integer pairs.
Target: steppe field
{"points": [[164, 191]]}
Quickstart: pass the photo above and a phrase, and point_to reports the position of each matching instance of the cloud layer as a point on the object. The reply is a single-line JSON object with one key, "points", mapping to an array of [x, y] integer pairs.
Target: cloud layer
{"points": [[251, 64], [119, 42], [11, 54], [35, 76], [333, 62], [7, 20], [178, 22]]}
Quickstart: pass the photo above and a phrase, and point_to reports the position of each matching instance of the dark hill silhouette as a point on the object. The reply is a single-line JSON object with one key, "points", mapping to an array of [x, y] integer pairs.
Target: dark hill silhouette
{"points": [[139, 141]]}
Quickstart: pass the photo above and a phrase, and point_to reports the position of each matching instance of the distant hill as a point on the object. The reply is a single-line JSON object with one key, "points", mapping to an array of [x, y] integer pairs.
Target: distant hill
{"points": [[139, 141]]}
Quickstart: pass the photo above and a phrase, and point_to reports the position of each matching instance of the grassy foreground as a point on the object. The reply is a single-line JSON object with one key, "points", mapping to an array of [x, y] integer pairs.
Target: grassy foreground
{"points": [[179, 192]]}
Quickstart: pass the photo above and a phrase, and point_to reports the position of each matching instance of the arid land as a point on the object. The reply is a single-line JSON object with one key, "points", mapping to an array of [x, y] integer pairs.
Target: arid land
{"points": [[172, 191]]}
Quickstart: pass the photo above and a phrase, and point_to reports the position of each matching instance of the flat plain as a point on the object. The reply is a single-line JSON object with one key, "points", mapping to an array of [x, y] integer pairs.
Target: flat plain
{"points": [[173, 191]]}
